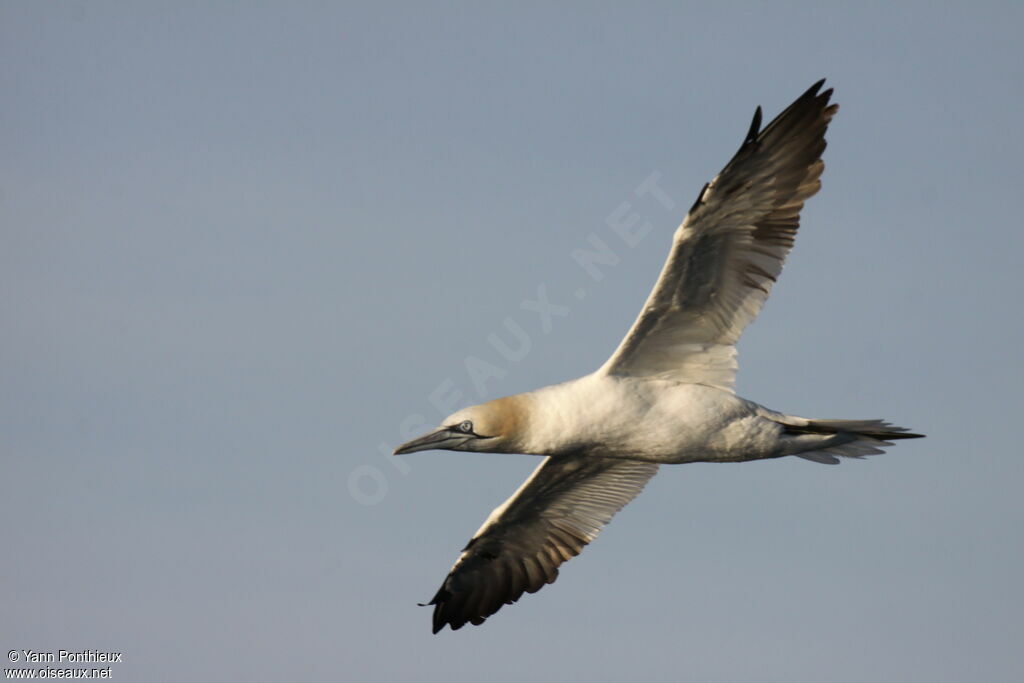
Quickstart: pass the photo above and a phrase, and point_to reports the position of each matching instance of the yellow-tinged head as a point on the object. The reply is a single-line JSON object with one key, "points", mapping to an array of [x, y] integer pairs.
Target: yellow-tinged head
{"points": [[497, 426]]}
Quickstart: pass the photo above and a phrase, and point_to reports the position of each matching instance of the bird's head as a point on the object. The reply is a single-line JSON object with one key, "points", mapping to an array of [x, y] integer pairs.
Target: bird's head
{"points": [[492, 427]]}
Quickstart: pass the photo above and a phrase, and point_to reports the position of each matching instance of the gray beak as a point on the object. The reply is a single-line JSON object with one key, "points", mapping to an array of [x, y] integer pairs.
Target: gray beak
{"points": [[441, 439]]}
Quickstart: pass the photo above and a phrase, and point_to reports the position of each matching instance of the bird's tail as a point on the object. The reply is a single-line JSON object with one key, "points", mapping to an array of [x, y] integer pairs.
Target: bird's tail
{"points": [[825, 441]]}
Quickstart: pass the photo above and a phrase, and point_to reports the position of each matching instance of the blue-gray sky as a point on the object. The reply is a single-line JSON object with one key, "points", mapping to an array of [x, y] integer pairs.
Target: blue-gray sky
{"points": [[243, 245]]}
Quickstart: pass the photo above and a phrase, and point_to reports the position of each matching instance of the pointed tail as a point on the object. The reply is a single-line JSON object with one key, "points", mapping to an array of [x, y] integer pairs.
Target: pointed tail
{"points": [[825, 441]]}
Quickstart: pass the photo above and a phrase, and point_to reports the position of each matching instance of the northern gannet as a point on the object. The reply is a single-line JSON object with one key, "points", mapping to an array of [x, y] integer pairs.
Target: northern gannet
{"points": [[666, 395]]}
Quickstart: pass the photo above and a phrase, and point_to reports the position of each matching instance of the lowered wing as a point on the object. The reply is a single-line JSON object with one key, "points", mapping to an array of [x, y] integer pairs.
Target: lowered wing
{"points": [[557, 511]]}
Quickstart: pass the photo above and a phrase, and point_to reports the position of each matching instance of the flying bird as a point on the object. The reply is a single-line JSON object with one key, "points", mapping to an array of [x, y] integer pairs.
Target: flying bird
{"points": [[666, 394]]}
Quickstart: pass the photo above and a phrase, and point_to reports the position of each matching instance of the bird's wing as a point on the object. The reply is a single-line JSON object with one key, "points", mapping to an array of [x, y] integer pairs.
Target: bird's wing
{"points": [[558, 510], [729, 250]]}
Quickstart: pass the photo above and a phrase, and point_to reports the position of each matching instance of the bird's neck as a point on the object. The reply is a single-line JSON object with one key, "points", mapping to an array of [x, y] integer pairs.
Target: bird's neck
{"points": [[561, 418]]}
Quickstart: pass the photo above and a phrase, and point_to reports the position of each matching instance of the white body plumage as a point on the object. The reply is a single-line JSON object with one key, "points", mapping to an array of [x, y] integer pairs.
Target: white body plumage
{"points": [[661, 420]]}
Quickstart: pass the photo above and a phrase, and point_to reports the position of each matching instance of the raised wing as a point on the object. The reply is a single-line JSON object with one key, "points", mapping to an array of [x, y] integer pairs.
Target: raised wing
{"points": [[729, 251], [554, 514]]}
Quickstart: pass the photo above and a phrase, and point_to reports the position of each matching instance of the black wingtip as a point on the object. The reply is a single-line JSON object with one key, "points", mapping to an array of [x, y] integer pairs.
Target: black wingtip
{"points": [[755, 127], [438, 620], [813, 91], [437, 623]]}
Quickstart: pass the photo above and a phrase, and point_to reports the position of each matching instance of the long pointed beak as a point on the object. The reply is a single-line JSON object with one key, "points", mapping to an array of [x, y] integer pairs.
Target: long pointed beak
{"points": [[439, 439]]}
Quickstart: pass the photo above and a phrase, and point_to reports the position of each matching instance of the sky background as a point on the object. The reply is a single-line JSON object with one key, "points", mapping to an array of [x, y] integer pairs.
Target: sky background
{"points": [[247, 249]]}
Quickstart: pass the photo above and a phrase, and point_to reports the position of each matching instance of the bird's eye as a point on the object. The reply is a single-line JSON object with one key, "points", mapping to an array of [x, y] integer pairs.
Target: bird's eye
{"points": [[466, 427]]}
